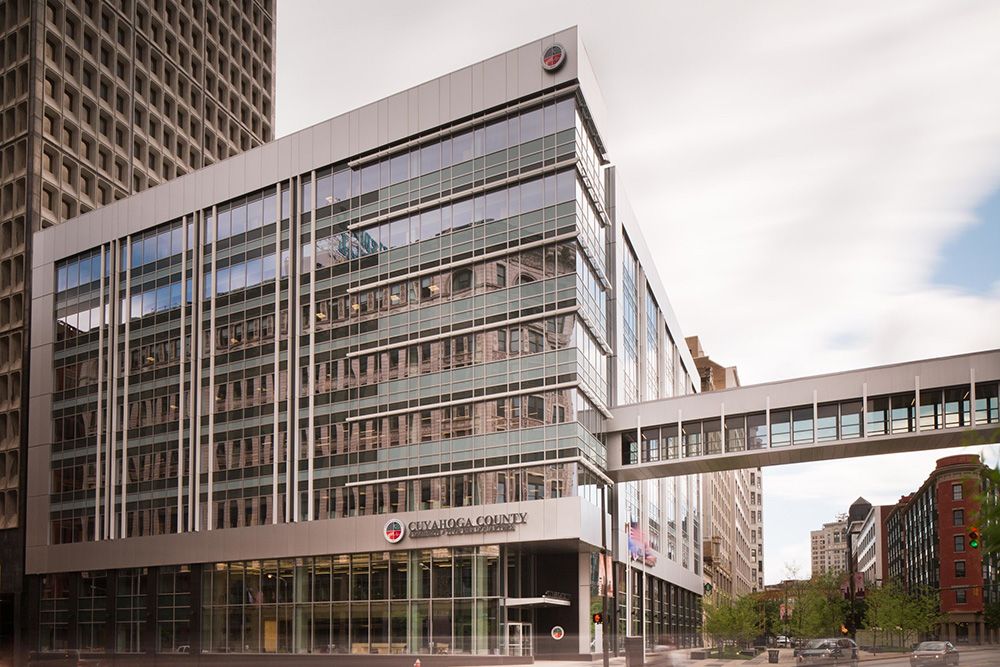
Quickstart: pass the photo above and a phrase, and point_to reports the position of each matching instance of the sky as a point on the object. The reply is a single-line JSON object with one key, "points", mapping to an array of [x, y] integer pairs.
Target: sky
{"points": [[821, 180]]}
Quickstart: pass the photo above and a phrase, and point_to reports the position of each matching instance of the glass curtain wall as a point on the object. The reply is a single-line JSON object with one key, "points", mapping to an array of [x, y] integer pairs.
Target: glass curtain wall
{"points": [[432, 601]]}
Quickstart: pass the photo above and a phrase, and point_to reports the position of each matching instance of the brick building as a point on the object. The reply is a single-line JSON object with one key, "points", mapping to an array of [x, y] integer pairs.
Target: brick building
{"points": [[928, 546]]}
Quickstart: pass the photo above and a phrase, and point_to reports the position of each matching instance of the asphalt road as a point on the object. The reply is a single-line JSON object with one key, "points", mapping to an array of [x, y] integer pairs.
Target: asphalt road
{"points": [[971, 657], [968, 658]]}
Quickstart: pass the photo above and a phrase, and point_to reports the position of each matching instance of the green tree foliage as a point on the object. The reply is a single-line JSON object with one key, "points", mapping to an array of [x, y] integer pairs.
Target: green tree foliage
{"points": [[988, 516], [891, 610], [770, 612], [820, 608], [991, 614], [884, 611], [738, 621]]}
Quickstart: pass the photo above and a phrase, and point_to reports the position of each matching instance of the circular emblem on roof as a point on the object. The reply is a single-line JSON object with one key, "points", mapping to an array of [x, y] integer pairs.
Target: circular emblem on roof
{"points": [[553, 58], [394, 531]]}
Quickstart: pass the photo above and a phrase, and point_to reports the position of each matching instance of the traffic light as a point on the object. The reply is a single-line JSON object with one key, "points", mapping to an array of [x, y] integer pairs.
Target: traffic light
{"points": [[974, 539], [598, 618]]}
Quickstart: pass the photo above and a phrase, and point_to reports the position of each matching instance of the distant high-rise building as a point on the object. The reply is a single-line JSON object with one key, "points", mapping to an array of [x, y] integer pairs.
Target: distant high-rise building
{"points": [[100, 99], [829, 547], [869, 547], [732, 505]]}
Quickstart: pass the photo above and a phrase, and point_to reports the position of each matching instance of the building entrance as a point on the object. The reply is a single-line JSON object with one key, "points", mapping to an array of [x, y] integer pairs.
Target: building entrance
{"points": [[519, 639]]}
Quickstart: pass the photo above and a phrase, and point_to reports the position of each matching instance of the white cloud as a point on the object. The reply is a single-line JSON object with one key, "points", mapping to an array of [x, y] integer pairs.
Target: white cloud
{"points": [[798, 165]]}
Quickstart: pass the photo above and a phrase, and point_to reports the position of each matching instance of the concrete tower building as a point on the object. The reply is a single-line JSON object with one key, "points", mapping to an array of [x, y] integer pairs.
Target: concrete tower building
{"points": [[829, 547], [100, 99]]}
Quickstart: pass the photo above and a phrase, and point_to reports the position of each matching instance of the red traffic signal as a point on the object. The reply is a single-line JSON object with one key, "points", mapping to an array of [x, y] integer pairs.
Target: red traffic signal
{"points": [[598, 618], [974, 539]]}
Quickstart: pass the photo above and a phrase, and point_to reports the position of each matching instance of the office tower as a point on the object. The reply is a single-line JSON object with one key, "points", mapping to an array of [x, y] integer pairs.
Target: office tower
{"points": [[345, 392], [99, 100]]}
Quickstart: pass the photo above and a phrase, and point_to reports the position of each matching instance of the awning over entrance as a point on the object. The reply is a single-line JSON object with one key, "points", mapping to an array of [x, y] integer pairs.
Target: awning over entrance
{"points": [[542, 601]]}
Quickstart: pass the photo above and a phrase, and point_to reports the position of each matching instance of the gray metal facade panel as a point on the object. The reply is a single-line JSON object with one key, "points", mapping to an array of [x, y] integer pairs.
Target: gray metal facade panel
{"points": [[40, 424], [568, 518], [322, 146], [494, 81], [252, 167], [41, 380], [476, 96], [43, 306], [395, 113], [461, 92], [368, 127], [304, 151], [269, 163], [43, 279], [36, 533], [413, 124], [340, 136], [529, 75], [584, 73], [429, 103]]}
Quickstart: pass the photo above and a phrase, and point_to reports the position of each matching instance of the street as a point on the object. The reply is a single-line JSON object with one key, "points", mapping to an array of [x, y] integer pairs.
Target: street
{"points": [[969, 657]]}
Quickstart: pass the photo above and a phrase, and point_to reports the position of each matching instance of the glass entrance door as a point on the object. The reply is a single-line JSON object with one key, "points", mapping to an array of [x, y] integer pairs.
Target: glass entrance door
{"points": [[518, 639]]}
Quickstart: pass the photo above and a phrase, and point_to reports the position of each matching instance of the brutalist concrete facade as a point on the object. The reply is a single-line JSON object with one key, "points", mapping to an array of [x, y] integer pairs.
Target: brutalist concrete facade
{"points": [[99, 100]]}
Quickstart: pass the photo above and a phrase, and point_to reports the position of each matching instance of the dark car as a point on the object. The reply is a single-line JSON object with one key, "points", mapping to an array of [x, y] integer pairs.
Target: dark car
{"points": [[934, 653], [830, 651]]}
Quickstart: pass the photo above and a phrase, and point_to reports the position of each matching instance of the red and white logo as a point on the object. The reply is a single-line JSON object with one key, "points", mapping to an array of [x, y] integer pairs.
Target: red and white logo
{"points": [[394, 531], [553, 58]]}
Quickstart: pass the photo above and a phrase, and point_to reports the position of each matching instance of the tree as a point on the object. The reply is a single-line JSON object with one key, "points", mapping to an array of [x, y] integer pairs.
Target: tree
{"points": [[884, 610], [991, 614], [890, 608], [738, 621], [821, 608], [988, 517], [922, 613], [770, 613]]}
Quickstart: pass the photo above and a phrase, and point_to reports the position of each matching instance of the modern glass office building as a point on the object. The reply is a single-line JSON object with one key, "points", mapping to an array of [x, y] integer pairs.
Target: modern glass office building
{"points": [[346, 393]]}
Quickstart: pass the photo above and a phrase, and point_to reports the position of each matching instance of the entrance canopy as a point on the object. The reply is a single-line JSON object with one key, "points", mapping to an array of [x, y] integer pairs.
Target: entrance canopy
{"points": [[542, 601]]}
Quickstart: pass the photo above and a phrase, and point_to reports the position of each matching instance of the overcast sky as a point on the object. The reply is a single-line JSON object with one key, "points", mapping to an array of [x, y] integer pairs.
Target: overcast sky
{"points": [[821, 180]]}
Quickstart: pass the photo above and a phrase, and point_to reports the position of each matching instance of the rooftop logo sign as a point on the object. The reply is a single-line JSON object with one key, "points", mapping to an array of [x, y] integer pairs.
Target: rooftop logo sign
{"points": [[394, 531], [553, 58]]}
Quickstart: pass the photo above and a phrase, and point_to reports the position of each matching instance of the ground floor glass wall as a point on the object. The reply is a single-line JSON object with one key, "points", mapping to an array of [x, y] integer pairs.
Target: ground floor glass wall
{"points": [[657, 610]]}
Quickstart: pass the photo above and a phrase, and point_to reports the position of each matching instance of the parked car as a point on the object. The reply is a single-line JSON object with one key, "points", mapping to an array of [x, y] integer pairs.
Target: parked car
{"points": [[933, 653], [782, 641], [830, 651]]}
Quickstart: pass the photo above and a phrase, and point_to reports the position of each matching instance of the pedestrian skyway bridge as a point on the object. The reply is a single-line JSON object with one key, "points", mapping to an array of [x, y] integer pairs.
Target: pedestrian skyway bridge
{"points": [[930, 404]]}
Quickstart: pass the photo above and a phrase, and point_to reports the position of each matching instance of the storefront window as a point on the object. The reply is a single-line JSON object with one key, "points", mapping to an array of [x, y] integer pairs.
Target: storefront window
{"points": [[244, 613]]}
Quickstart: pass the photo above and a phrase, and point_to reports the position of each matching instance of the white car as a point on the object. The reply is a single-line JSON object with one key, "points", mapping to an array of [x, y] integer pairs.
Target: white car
{"points": [[782, 641]]}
